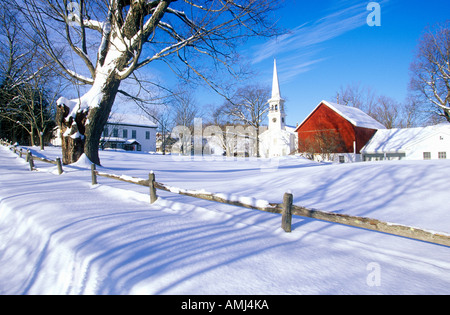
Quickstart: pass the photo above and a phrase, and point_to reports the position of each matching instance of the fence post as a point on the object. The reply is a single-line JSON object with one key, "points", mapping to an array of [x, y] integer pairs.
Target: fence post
{"points": [[93, 175], [59, 165], [286, 218], [30, 160], [151, 184]]}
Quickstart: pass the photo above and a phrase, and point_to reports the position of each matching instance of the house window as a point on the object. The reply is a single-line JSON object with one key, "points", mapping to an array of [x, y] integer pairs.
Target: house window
{"points": [[125, 133], [133, 134], [115, 132], [442, 155], [105, 132], [341, 159], [147, 135], [427, 155]]}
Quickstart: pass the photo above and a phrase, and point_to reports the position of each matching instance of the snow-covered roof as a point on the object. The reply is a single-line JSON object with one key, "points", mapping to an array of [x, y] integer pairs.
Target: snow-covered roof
{"points": [[131, 141], [112, 139], [290, 129], [352, 114], [398, 140], [131, 120]]}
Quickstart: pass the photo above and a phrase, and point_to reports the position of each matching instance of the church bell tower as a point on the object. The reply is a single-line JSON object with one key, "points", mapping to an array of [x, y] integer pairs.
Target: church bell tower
{"points": [[277, 115]]}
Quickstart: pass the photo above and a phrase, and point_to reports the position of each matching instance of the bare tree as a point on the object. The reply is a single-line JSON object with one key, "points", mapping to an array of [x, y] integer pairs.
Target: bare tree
{"points": [[31, 108], [128, 35], [17, 54], [411, 115], [184, 108], [430, 72], [387, 111], [354, 95], [26, 96], [384, 109], [249, 106], [323, 143]]}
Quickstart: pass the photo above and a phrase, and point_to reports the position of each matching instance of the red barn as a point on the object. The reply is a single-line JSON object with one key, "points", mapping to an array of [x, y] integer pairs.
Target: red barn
{"points": [[334, 128]]}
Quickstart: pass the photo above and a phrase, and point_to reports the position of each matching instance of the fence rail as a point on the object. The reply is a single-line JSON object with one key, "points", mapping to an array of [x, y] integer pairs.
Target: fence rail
{"points": [[287, 209], [30, 158]]}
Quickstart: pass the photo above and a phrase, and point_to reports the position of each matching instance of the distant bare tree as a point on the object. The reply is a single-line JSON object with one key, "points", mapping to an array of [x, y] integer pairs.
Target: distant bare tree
{"points": [[384, 109], [184, 108], [354, 95], [430, 71], [411, 113], [249, 107], [387, 111], [324, 143]]}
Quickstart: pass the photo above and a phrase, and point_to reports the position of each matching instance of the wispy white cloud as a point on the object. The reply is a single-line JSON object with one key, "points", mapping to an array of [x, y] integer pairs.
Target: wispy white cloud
{"points": [[303, 44]]}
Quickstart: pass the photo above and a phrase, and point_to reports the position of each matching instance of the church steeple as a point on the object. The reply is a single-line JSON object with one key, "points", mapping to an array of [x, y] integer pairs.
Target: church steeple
{"points": [[276, 94], [276, 104]]}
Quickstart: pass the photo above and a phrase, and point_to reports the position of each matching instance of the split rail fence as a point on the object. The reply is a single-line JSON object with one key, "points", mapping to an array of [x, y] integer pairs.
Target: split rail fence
{"points": [[287, 209]]}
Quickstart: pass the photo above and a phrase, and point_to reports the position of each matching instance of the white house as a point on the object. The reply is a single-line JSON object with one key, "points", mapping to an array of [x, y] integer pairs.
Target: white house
{"points": [[424, 143], [279, 139], [129, 132]]}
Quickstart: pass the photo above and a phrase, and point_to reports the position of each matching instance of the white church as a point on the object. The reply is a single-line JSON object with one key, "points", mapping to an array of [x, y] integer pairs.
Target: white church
{"points": [[279, 139]]}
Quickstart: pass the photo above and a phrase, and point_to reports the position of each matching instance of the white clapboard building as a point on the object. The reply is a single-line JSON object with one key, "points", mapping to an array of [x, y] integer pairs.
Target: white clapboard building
{"points": [[423, 143], [129, 132]]}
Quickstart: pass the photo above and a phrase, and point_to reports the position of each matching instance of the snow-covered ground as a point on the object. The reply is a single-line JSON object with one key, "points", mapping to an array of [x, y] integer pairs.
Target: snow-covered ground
{"points": [[61, 235]]}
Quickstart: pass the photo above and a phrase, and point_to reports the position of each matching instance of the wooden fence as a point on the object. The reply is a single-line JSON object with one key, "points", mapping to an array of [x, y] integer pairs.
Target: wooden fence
{"points": [[287, 209], [30, 158]]}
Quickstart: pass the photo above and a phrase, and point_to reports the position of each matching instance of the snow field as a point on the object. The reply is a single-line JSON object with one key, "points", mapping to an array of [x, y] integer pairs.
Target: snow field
{"points": [[61, 235]]}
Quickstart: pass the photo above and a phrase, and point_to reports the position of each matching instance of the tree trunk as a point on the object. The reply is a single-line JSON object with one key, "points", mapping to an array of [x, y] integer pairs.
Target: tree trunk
{"points": [[32, 136], [81, 130], [98, 117], [72, 148], [41, 140]]}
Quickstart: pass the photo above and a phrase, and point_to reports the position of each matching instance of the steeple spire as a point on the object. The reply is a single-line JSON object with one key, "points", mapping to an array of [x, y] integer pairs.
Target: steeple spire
{"points": [[276, 104], [276, 94]]}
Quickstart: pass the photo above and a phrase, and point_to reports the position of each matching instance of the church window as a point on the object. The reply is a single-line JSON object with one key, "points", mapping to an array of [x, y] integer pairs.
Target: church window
{"points": [[276, 107]]}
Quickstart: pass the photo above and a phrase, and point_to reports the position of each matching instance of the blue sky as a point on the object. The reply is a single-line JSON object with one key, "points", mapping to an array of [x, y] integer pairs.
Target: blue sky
{"points": [[330, 46]]}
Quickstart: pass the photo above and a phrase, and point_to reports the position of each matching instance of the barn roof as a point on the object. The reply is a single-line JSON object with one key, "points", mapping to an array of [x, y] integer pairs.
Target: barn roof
{"points": [[398, 140], [352, 114]]}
